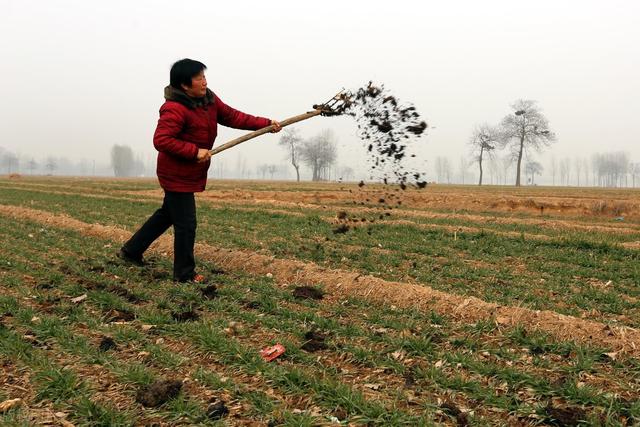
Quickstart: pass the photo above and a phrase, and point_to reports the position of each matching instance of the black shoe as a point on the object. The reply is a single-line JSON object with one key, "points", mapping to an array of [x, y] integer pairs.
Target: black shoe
{"points": [[123, 255]]}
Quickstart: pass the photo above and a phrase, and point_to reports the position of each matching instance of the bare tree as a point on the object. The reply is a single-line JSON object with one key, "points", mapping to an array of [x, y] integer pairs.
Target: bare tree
{"points": [[292, 141], [484, 140], [634, 170], [262, 170], [554, 170], [504, 165], [122, 160], [443, 169], [565, 170], [218, 169], [463, 166], [272, 169], [319, 153], [32, 165], [345, 173], [531, 169], [577, 166], [526, 128], [585, 168], [9, 161], [611, 168], [51, 164]]}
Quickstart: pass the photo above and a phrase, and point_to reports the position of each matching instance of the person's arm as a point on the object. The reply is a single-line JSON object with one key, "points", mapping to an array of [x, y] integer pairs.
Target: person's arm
{"points": [[165, 139], [230, 117]]}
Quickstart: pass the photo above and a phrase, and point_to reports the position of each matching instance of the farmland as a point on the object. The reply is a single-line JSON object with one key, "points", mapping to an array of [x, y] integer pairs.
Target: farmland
{"points": [[449, 305]]}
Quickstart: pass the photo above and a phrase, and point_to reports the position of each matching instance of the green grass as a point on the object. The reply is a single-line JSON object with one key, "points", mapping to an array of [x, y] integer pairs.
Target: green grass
{"points": [[565, 265], [513, 370]]}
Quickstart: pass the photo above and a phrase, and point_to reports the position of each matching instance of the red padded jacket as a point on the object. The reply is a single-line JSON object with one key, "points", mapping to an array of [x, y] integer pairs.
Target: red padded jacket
{"points": [[187, 124]]}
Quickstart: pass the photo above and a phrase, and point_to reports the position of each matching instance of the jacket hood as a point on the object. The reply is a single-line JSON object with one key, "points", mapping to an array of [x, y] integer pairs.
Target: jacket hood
{"points": [[177, 95]]}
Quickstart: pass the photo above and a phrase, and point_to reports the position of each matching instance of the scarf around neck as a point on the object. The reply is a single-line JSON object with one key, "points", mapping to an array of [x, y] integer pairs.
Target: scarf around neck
{"points": [[177, 95]]}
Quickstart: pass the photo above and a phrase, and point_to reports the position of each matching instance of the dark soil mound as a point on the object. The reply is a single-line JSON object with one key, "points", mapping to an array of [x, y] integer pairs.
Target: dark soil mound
{"points": [[217, 410], [307, 292], [158, 393], [314, 341], [341, 229], [452, 409], [106, 344], [252, 305], [114, 315], [570, 416], [185, 316], [209, 292]]}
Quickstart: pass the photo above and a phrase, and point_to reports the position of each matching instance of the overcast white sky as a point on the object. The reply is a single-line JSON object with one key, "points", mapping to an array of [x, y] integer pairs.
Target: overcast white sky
{"points": [[80, 76]]}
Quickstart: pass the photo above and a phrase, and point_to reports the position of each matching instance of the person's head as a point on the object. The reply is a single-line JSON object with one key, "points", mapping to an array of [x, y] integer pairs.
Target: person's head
{"points": [[188, 75]]}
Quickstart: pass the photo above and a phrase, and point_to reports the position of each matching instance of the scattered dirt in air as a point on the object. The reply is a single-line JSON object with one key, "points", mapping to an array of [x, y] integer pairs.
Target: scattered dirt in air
{"points": [[388, 127], [158, 393], [307, 292]]}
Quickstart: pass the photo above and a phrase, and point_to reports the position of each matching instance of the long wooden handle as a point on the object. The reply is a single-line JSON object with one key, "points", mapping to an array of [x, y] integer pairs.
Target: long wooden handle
{"points": [[254, 134]]}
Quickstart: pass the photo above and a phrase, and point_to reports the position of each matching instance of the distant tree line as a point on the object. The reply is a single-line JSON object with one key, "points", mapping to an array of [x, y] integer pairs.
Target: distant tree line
{"points": [[496, 153]]}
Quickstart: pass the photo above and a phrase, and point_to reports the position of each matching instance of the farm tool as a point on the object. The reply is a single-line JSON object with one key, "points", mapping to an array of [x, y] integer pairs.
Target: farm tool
{"points": [[335, 106]]}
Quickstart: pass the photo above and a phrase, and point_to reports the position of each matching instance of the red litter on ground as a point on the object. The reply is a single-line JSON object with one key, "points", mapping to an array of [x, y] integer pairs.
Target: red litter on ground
{"points": [[270, 353]]}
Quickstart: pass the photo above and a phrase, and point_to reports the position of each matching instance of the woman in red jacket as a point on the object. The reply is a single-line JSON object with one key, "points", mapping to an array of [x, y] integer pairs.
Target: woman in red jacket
{"points": [[185, 133]]}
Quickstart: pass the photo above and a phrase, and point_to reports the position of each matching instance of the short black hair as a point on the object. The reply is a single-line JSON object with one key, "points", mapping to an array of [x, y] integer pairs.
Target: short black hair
{"points": [[183, 71]]}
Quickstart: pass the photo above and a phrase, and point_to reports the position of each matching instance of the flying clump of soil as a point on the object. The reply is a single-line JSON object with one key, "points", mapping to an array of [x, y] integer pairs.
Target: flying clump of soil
{"points": [[388, 127]]}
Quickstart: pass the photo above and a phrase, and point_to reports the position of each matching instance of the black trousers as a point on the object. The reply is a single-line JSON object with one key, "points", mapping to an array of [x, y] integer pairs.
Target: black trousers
{"points": [[179, 210]]}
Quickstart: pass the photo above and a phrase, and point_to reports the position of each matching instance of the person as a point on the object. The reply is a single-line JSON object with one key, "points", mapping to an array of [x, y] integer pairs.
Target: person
{"points": [[185, 133]]}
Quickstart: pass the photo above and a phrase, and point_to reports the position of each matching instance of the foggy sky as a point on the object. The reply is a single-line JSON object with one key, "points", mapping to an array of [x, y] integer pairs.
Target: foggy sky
{"points": [[80, 76]]}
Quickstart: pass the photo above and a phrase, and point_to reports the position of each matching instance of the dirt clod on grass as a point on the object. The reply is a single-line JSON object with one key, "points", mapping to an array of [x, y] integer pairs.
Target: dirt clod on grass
{"points": [[157, 274], [209, 292], [158, 393], [341, 229], [114, 315], [189, 315], [307, 292], [341, 215], [569, 416], [217, 410], [452, 410], [314, 341], [106, 344]]}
